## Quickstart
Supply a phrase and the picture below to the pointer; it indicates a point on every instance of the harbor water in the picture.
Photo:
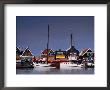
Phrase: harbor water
(64, 69)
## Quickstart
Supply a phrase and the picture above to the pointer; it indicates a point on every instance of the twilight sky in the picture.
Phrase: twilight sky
(32, 31)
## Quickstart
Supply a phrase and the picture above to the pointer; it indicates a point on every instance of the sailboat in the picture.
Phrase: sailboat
(46, 64)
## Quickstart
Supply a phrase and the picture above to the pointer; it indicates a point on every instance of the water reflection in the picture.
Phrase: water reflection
(50, 70)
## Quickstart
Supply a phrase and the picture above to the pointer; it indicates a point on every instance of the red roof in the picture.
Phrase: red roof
(47, 50)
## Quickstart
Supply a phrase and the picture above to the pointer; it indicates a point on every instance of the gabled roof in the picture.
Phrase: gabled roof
(72, 50)
(84, 51)
(27, 52)
(18, 51)
(47, 50)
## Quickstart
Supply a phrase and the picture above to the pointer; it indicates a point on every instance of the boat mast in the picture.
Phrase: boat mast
(71, 40)
(48, 45)
(72, 43)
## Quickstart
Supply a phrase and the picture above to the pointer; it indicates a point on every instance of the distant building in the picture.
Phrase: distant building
(72, 53)
(50, 53)
(73, 50)
(87, 54)
(24, 59)
(27, 54)
(18, 53)
(60, 54)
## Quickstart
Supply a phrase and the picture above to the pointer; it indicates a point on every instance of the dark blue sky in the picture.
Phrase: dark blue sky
(32, 31)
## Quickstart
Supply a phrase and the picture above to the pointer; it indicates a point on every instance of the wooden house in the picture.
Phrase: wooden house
(87, 54)
(26, 60)
(50, 53)
(18, 53)
(72, 53)
(60, 54)
(27, 54)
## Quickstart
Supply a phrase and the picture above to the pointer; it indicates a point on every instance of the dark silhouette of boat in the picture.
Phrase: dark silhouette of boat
(25, 64)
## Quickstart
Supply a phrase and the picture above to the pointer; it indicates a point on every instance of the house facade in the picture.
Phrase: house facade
(60, 54)
(87, 54)
(72, 53)
(50, 53)
(27, 55)
(18, 53)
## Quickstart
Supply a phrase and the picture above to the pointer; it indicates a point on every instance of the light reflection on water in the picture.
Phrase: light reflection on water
(50, 70)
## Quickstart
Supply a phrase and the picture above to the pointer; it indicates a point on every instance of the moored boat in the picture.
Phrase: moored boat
(24, 64)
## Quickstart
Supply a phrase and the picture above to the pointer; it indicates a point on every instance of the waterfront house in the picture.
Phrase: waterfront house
(72, 53)
(60, 54)
(25, 59)
(27, 54)
(87, 54)
(50, 53)
(18, 53)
